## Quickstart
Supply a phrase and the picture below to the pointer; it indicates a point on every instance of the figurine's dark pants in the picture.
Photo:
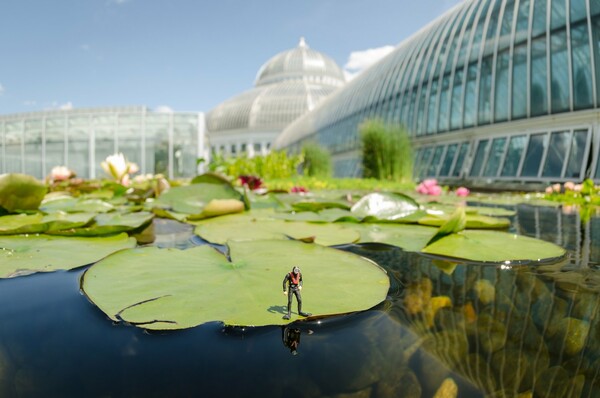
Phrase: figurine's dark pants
(296, 291)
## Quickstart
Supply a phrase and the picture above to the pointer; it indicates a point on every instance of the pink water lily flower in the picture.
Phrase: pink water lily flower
(429, 187)
(61, 173)
(462, 191)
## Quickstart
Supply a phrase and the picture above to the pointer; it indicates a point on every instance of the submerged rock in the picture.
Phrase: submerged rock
(570, 336)
(407, 385)
(485, 291)
(448, 389)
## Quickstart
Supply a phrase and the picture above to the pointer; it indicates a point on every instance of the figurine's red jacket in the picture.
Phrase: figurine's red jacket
(292, 280)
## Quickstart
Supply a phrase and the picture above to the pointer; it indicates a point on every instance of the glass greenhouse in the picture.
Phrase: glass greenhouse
(167, 143)
(287, 86)
(492, 91)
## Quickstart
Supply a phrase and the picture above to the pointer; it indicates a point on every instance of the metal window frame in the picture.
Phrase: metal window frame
(495, 61)
(480, 59)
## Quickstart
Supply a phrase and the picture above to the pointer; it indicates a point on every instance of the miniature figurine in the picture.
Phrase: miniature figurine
(292, 284)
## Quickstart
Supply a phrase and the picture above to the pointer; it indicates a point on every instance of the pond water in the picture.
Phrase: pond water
(492, 330)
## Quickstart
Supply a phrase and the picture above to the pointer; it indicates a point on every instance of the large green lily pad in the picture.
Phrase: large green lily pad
(109, 223)
(409, 237)
(175, 289)
(493, 246)
(39, 223)
(191, 199)
(20, 192)
(21, 254)
(257, 226)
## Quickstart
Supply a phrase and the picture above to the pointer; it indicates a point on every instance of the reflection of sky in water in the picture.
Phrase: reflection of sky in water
(512, 328)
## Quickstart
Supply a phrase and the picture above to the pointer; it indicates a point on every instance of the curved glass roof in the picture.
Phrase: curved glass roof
(484, 62)
(299, 63)
(287, 86)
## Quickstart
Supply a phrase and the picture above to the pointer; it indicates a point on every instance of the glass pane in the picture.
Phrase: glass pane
(577, 154)
(560, 72)
(578, 11)
(539, 87)
(33, 148)
(457, 90)
(596, 45)
(448, 160)
(519, 84)
(522, 22)
(506, 26)
(558, 19)
(557, 153)
(582, 68)
(431, 112)
(539, 17)
(501, 89)
(435, 161)
(493, 163)
(533, 157)
(471, 96)
(516, 146)
(79, 151)
(425, 161)
(485, 90)
(513, 156)
(443, 119)
(460, 159)
(479, 157)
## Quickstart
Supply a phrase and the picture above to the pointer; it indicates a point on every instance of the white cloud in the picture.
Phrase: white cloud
(118, 2)
(163, 109)
(67, 106)
(358, 61)
(1, 89)
(85, 47)
(29, 102)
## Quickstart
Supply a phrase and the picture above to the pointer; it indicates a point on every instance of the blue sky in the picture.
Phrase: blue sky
(186, 55)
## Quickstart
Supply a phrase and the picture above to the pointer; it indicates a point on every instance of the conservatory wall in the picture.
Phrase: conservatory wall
(492, 91)
(167, 143)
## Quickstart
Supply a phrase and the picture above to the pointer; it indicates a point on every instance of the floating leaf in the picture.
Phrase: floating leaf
(109, 223)
(219, 207)
(493, 246)
(20, 192)
(456, 223)
(74, 205)
(245, 227)
(26, 254)
(175, 289)
(191, 199)
(385, 206)
(406, 236)
(473, 221)
(39, 223)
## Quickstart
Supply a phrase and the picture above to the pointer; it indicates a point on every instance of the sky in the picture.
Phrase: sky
(182, 55)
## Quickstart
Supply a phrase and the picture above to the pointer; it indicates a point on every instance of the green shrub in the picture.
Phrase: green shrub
(317, 160)
(386, 151)
(274, 165)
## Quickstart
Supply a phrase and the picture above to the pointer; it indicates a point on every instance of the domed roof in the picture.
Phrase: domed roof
(270, 107)
(287, 86)
(300, 63)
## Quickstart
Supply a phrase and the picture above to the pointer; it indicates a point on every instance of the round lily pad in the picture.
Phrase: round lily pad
(242, 227)
(493, 246)
(20, 192)
(175, 289)
(409, 237)
(385, 206)
(26, 254)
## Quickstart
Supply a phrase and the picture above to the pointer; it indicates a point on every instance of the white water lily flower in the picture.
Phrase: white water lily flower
(118, 167)
(61, 173)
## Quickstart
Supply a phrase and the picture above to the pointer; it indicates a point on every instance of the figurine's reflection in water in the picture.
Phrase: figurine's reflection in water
(291, 338)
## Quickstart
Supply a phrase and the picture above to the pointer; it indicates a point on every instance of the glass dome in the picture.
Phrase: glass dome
(300, 63)
(290, 84)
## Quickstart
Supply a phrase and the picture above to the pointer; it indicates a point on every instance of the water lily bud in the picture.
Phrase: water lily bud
(569, 186)
(61, 173)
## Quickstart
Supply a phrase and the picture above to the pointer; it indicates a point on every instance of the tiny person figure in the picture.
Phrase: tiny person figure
(293, 280)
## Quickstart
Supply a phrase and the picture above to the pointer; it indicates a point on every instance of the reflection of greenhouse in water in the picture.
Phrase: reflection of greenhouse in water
(493, 91)
(507, 329)
(167, 143)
